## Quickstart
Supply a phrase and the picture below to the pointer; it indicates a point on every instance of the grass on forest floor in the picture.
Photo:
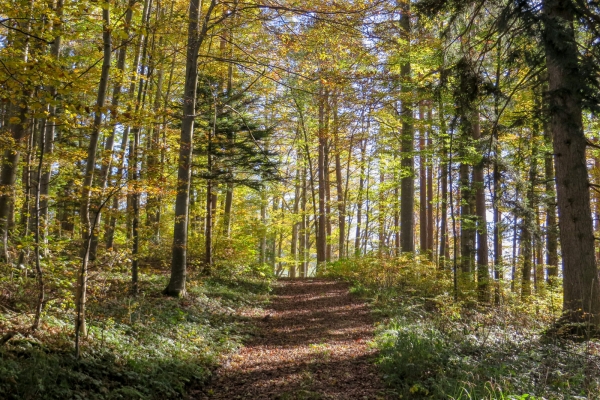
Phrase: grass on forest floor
(144, 347)
(431, 346)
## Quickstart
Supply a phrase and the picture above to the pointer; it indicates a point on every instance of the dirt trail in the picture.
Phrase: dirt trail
(313, 345)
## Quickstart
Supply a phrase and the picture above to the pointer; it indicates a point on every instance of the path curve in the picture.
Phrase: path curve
(314, 344)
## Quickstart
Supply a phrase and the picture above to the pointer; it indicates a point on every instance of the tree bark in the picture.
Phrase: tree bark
(86, 220)
(551, 226)
(339, 184)
(429, 166)
(359, 200)
(176, 286)
(17, 126)
(422, 184)
(407, 188)
(50, 130)
(295, 224)
(581, 301)
(322, 223)
(481, 213)
(527, 227)
(467, 231)
(444, 254)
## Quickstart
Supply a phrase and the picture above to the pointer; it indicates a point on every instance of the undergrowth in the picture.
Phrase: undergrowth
(144, 347)
(431, 346)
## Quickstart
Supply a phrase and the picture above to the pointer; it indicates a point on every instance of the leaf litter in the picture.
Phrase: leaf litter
(313, 343)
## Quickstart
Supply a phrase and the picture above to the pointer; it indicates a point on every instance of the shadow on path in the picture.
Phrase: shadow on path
(314, 345)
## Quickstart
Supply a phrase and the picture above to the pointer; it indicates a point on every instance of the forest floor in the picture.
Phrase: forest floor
(313, 343)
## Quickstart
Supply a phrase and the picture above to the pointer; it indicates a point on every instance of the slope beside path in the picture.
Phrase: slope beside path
(313, 344)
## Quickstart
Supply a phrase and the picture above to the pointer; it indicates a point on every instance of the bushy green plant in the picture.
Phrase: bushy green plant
(144, 347)
(431, 346)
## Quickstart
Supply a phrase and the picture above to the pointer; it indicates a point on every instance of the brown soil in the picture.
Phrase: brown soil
(312, 344)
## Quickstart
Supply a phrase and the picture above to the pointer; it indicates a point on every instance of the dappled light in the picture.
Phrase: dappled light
(313, 342)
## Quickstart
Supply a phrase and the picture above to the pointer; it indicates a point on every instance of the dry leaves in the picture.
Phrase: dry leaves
(312, 344)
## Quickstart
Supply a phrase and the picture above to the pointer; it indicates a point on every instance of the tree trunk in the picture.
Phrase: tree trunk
(50, 130)
(481, 212)
(527, 228)
(176, 286)
(407, 188)
(444, 248)
(581, 301)
(551, 226)
(154, 165)
(429, 166)
(136, 213)
(467, 233)
(86, 191)
(322, 223)
(498, 258)
(26, 209)
(17, 127)
(304, 232)
(496, 195)
(263, 236)
(295, 224)
(359, 200)
(381, 211)
(422, 184)
(339, 184)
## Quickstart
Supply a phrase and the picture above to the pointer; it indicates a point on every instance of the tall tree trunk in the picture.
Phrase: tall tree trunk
(50, 130)
(229, 185)
(120, 175)
(304, 231)
(26, 209)
(496, 195)
(136, 213)
(429, 166)
(154, 166)
(367, 232)
(422, 184)
(466, 98)
(444, 166)
(263, 235)
(295, 223)
(527, 228)
(322, 223)
(551, 226)
(540, 286)
(467, 233)
(498, 258)
(581, 301)
(481, 212)
(176, 286)
(381, 211)
(37, 237)
(328, 248)
(17, 126)
(339, 184)
(116, 99)
(359, 200)
(513, 274)
(273, 239)
(407, 188)
(85, 213)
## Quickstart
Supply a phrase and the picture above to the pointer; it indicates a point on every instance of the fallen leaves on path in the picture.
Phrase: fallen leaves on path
(312, 344)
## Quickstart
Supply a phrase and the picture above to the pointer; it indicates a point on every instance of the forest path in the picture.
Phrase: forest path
(313, 345)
